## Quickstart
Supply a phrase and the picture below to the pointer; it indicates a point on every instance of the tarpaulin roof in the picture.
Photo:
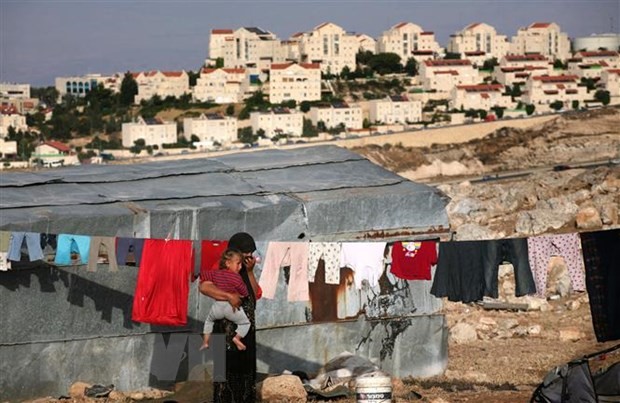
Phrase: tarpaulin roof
(322, 192)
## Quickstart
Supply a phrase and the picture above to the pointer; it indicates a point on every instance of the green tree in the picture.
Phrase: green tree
(129, 89)
(602, 96)
(363, 57)
(452, 55)
(193, 77)
(589, 83)
(499, 111)
(489, 64)
(309, 130)
(557, 64)
(245, 135)
(230, 110)
(219, 62)
(345, 73)
(48, 95)
(529, 109)
(385, 63)
(516, 91)
(575, 104)
(556, 105)
(483, 114)
(304, 106)
(411, 67)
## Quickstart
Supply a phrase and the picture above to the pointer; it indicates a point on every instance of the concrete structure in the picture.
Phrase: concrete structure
(481, 96)
(596, 42)
(395, 109)
(331, 46)
(544, 90)
(161, 83)
(366, 43)
(221, 86)
(79, 86)
(299, 82)
(9, 117)
(336, 114)
(153, 131)
(479, 40)
(545, 38)
(516, 69)
(13, 90)
(211, 127)
(54, 154)
(408, 40)
(275, 195)
(23, 106)
(245, 47)
(610, 80)
(605, 58)
(443, 75)
(7, 148)
(279, 121)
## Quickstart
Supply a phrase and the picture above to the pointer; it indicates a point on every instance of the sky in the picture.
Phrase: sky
(44, 39)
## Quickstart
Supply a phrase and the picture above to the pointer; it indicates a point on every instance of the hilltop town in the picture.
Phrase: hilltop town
(256, 90)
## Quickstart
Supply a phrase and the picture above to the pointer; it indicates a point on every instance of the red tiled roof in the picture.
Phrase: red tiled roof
(481, 87)
(8, 109)
(540, 25)
(282, 66)
(551, 92)
(209, 70)
(452, 72)
(571, 91)
(422, 52)
(427, 33)
(448, 62)
(58, 145)
(172, 73)
(400, 25)
(475, 53)
(556, 79)
(600, 53)
(310, 65)
(530, 57)
(221, 31)
(484, 95)
(297, 34)
(322, 25)
(613, 71)
(471, 26)
(522, 75)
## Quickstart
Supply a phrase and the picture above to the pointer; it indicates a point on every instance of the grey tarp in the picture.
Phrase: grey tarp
(66, 324)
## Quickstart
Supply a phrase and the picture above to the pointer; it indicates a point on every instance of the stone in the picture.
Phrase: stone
(487, 321)
(465, 206)
(609, 214)
(117, 396)
(463, 333)
(77, 389)
(137, 396)
(573, 305)
(588, 218)
(472, 231)
(507, 324)
(438, 400)
(534, 330)
(571, 334)
(521, 331)
(282, 388)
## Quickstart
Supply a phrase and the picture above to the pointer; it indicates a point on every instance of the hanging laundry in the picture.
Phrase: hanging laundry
(32, 243)
(413, 260)
(95, 245)
(281, 254)
(125, 246)
(5, 239)
(540, 250)
(366, 259)
(460, 271)
(330, 253)
(211, 251)
(162, 288)
(68, 244)
(601, 253)
(515, 252)
(49, 244)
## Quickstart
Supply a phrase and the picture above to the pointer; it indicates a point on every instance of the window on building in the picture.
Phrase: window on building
(325, 45)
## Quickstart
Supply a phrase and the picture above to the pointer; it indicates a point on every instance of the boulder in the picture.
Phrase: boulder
(463, 333)
(588, 218)
(77, 389)
(609, 214)
(282, 388)
(571, 334)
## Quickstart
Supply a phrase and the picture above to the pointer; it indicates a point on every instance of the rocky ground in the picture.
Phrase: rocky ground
(502, 355)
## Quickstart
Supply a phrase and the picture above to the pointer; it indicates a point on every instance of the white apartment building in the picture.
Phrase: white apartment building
(407, 40)
(366, 43)
(544, 38)
(278, 121)
(153, 131)
(337, 114)
(329, 45)
(544, 90)
(605, 58)
(481, 96)
(10, 118)
(79, 86)
(395, 109)
(245, 47)
(12, 90)
(610, 80)
(299, 82)
(7, 148)
(443, 75)
(516, 69)
(211, 127)
(161, 83)
(476, 39)
(222, 86)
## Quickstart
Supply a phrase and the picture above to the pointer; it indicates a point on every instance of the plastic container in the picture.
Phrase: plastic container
(376, 388)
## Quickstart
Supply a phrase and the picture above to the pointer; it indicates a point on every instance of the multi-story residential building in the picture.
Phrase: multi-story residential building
(408, 40)
(544, 38)
(605, 58)
(544, 90)
(79, 86)
(221, 86)
(9, 117)
(480, 41)
(279, 121)
(12, 90)
(153, 131)
(299, 82)
(366, 43)
(23, 106)
(211, 127)
(395, 109)
(329, 45)
(481, 96)
(336, 114)
(516, 69)
(443, 75)
(161, 83)
(7, 148)
(245, 47)
(610, 80)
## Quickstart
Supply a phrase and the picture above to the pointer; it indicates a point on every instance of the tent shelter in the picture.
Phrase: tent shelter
(63, 324)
